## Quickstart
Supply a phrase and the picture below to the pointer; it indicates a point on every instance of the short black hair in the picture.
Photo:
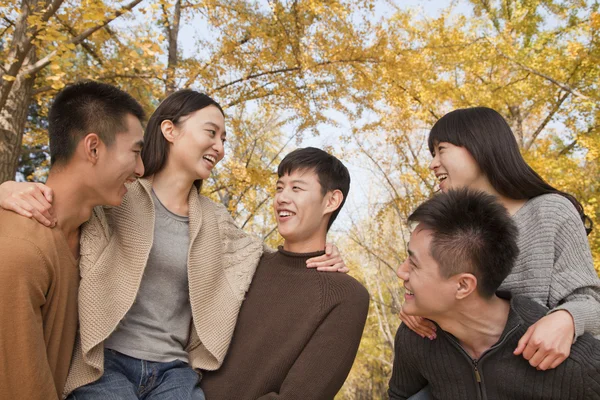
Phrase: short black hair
(332, 174)
(471, 232)
(88, 107)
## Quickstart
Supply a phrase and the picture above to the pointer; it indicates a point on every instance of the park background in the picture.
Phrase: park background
(363, 79)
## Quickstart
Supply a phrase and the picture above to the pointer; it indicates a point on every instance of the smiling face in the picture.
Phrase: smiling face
(198, 142)
(427, 293)
(455, 168)
(121, 163)
(301, 211)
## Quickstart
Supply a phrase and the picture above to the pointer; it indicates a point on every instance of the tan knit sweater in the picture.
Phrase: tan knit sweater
(115, 245)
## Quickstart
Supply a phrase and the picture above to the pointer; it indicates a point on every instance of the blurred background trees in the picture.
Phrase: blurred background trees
(364, 79)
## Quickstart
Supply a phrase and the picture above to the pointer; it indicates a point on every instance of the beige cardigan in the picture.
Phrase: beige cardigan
(115, 245)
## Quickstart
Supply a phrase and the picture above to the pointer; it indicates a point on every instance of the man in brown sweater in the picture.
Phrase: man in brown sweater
(95, 142)
(298, 329)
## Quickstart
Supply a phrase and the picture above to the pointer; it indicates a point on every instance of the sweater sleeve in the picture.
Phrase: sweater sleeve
(25, 277)
(406, 378)
(575, 286)
(323, 365)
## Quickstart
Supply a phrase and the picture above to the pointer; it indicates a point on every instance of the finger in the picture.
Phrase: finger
(530, 351)
(44, 206)
(547, 362)
(13, 206)
(323, 261)
(32, 204)
(332, 267)
(557, 361)
(41, 218)
(523, 341)
(417, 324)
(46, 191)
(537, 357)
(344, 270)
(328, 249)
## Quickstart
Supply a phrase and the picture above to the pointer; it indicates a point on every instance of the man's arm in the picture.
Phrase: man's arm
(24, 281)
(406, 378)
(322, 367)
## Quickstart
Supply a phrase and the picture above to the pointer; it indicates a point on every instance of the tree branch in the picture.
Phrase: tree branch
(32, 69)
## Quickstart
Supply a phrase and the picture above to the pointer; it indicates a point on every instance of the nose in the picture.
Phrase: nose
(435, 163)
(402, 271)
(219, 147)
(281, 197)
(139, 167)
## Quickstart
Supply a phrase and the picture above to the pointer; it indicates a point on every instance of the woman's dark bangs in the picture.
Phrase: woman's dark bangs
(446, 130)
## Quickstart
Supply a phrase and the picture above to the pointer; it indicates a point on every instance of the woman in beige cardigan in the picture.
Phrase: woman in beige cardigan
(143, 334)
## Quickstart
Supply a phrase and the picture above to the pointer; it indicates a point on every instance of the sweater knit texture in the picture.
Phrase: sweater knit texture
(452, 374)
(38, 308)
(296, 336)
(554, 266)
(115, 246)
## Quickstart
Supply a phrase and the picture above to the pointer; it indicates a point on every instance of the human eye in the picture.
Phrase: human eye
(212, 132)
(278, 188)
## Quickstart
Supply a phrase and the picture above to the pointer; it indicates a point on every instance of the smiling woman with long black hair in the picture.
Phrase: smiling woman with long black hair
(475, 148)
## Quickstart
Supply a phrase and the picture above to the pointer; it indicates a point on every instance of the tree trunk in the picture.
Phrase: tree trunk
(13, 113)
(173, 34)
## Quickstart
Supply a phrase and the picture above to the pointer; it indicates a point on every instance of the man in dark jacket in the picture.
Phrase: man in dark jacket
(463, 247)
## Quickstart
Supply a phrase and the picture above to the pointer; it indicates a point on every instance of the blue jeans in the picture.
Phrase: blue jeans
(128, 378)
(423, 394)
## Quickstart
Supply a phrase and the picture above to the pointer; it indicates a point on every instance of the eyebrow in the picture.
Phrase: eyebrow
(279, 181)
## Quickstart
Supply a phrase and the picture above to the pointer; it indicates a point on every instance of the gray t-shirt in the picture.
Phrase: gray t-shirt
(157, 326)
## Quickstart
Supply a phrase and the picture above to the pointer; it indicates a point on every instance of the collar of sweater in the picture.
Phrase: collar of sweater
(297, 259)
(523, 311)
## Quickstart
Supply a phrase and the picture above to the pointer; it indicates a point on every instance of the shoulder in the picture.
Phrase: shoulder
(408, 342)
(25, 249)
(345, 287)
(25, 232)
(528, 310)
(552, 206)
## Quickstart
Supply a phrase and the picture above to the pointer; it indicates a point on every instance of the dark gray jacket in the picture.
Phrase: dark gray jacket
(498, 374)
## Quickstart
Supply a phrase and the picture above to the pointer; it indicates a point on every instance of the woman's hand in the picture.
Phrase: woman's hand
(29, 200)
(421, 326)
(547, 343)
(331, 261)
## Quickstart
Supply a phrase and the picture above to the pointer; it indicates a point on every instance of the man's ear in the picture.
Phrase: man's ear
(334, 200)
(91, 147)
(466, 284)
(167, 127)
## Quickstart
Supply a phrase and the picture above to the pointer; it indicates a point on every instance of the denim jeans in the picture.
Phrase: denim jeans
(423, 394)
(128, 378)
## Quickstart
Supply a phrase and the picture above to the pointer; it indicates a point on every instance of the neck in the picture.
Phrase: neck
(310, 245)
(511, 205)
(477, 324)
(72, 204)
(172, 187)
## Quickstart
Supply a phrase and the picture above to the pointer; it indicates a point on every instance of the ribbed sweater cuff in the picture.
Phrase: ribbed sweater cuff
(581, 312)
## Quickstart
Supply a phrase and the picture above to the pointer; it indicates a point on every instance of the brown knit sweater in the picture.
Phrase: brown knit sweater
(296, 336)
(38, 308)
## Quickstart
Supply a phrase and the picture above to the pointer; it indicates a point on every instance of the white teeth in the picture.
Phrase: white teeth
(210, 158)
(441, 177)
(408, 292)
(286, 213)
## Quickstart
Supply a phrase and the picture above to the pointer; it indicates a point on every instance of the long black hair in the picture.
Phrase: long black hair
(173, 108)
(491, 142)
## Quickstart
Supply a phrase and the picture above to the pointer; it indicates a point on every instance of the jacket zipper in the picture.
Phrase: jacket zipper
(481, 394)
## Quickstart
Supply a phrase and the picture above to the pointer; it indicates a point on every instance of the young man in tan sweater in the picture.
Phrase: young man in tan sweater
(298, 330)
(95, 141)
